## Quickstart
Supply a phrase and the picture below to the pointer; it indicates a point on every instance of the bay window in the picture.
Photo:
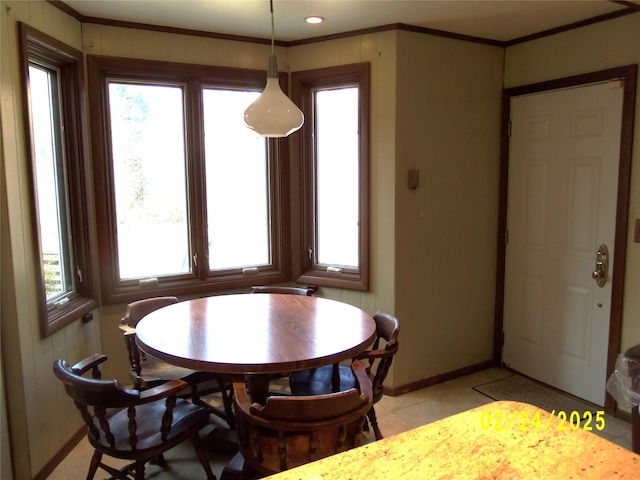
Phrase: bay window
(54, 118)
(235, 157)
(149, 179)
(334, 157)
(189, 199)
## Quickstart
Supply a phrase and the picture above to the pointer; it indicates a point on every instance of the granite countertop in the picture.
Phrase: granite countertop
(503, 440)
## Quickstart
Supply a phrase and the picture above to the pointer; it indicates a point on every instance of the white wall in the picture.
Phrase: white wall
(5, 447)
(448, 128)
(5, 452)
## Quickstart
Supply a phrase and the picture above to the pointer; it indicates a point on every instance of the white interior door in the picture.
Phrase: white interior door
(563, 174)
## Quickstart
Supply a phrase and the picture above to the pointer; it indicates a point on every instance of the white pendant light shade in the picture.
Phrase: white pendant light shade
(273, 114)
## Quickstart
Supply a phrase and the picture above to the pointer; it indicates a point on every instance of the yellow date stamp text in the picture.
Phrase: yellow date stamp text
(522, 420)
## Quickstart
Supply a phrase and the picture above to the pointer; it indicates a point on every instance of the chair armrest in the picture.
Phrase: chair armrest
(88, 363)
(360, 368)
(375, 354)
(162, 391)
(241, 396)
(126, 329)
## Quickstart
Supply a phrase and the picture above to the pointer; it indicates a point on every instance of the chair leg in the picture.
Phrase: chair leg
(335, 378)
(374, 423)
(140, 467)
(237, 469)
(204, 458)
(247, 471)
(227, 402)
(95, 463)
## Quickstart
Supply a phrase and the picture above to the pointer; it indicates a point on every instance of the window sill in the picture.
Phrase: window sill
(126, 293)
(60, 317)
(344, 280)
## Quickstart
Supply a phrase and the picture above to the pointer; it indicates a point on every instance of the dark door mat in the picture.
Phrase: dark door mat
(521, 389)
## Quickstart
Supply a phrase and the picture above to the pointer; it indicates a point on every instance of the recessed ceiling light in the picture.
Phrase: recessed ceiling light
(314, 19)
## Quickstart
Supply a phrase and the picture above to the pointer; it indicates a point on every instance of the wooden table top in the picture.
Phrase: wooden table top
(505, 440)
(255, 333)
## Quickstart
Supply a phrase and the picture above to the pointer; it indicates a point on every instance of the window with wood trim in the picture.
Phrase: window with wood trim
(334, 157)
(189, 199)
(54, 118)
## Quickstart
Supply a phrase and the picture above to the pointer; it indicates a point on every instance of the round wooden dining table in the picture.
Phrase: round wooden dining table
(256, 334)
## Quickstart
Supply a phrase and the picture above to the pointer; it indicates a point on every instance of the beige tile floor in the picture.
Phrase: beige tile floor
(395, 415)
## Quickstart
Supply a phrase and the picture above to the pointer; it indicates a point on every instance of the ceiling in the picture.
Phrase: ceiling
(501, 20)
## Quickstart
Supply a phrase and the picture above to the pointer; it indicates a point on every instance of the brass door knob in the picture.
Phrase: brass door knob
(602, 266)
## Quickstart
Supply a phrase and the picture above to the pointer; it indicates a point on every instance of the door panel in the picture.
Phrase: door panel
(563, 170)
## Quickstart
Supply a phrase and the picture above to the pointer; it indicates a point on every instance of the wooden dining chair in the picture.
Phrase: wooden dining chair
(322, 380)
(288, 431)
(148, 372)
(130, 424)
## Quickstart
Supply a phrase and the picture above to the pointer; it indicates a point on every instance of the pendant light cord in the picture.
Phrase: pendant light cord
(273, 30)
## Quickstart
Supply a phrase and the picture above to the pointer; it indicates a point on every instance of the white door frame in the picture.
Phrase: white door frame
(629, 74)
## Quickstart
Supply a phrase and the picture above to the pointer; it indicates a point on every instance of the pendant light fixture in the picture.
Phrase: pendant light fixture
(273, 114)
